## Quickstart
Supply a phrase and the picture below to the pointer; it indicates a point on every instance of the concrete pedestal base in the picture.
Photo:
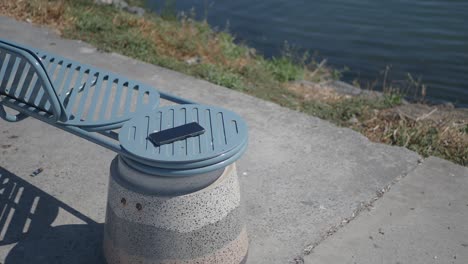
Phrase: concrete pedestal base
(206, 226)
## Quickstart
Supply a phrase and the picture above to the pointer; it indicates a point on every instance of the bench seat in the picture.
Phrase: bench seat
(69, 92)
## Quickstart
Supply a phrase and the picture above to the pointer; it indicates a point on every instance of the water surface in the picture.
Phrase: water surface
(427, 38)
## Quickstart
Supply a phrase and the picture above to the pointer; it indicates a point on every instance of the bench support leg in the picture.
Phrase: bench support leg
(11, 118)
(205, 226)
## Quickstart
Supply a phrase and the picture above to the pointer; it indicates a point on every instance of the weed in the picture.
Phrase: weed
(284, 69)
(168, 11)
(392, 99)
(464, 129)
(219, 76)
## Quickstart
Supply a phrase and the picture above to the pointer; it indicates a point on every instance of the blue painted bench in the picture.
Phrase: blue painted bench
(116, 112)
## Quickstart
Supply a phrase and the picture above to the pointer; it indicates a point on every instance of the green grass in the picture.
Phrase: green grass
(284, 69)
(342, 111)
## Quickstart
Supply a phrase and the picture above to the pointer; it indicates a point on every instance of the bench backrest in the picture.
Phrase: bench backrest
(24, 78)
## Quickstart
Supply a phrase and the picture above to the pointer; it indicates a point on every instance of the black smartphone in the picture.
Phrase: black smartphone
(176, 133)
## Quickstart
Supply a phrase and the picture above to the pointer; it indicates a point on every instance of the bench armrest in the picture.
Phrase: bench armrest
(35, 62)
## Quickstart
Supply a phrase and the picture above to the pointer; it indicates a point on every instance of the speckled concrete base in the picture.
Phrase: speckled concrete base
(201, 227)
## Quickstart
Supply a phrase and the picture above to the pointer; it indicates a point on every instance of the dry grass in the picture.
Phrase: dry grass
(187, 40)
(446, 138)
(51, 13)
(309, 91)
(429, 130)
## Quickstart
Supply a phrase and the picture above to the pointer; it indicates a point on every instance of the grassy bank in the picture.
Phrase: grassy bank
(182, 44)
(194, 48)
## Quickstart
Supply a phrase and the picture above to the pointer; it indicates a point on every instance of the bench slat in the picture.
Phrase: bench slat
(27, 82)
(96, 97)
(129, 96)
(73, 92)
(105, 100)
(18, 70)
(116, 101)
(65, 87)
(7, 73)
(58, 80)
(44, 103)
(84, 97)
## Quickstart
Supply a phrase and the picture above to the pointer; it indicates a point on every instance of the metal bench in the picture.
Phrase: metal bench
(92, 103)
(193, 178)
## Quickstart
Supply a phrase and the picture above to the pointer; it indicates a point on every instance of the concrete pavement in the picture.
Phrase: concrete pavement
(300, 178)
(422, 220)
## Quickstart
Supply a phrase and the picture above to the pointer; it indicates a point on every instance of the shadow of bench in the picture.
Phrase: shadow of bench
(27, 215)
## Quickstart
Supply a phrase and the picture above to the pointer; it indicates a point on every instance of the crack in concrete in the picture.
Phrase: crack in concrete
(360, 208)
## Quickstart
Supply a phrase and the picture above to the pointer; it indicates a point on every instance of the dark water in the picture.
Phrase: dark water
(427, 38)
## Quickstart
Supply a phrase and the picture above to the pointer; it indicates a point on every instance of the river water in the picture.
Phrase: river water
(427, 38)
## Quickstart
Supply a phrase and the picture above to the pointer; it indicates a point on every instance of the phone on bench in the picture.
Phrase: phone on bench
(176, 133)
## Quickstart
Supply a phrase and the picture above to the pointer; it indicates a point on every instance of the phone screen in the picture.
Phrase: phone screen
(176, 133)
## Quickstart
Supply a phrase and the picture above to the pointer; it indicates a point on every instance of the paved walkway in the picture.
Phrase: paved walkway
(302, 178)
(422, 220)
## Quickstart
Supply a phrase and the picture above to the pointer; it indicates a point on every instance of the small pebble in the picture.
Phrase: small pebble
(36, 172)
(381, 231)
